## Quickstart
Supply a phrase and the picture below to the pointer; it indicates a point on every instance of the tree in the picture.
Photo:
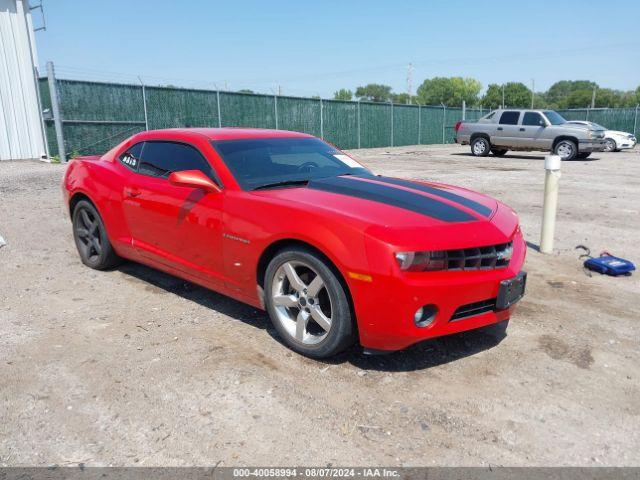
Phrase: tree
(343, 94)
(516, 95)
(374, 92)
(403, 98)
(570, 94)
(449, 91)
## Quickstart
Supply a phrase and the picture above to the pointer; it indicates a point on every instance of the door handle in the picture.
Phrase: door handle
(499, 128)
(522, 129)
(131, 192)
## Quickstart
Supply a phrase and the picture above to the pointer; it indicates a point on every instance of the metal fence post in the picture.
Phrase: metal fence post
(359, 122)
(392, 123)
(55, 108)
(144, 104)
(464, 110)
(321, 119)
(275, 109)
(419, 125)
(587, 117)
(444, 120)
(635, 122)
(218, 104)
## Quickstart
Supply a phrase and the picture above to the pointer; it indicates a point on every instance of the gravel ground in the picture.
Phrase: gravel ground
(133, 367)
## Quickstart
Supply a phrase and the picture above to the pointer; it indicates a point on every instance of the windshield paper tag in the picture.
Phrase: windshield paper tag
(348, 160)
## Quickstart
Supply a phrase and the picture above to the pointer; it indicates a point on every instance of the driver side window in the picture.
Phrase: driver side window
(160, 159)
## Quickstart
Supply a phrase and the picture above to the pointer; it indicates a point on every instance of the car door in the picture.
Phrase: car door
(177, 226)
(532, 129)
(507, 130)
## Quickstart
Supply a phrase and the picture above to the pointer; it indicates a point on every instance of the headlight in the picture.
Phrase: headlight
(422, 261)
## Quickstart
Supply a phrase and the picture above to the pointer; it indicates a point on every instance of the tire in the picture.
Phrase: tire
(583, 155)
(610, 145)
(566, 149)
(293, 294)
(498, 152)
(91, 238)
(480, 147)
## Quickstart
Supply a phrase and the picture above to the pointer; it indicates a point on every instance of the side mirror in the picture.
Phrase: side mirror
(193, 179)
(542, 123)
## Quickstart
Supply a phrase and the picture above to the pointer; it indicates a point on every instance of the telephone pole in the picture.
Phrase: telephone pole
(503, 96)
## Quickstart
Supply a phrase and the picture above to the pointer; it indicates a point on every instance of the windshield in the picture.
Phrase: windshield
(262, 162)
(554, 117)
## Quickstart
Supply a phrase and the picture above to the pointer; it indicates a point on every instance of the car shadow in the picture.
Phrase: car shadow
(424, 355)
(526, 157)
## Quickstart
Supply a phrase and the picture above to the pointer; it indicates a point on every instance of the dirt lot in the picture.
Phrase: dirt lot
(133, 367)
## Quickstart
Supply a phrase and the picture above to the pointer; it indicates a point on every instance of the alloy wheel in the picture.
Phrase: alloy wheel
(609, 146)
(479, 147)
(565, 150)
(302, 302)
(89, 235)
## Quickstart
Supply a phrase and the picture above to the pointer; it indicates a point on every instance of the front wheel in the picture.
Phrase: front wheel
(308, 304)
(480, 147)
(610, 145)
(566, 149)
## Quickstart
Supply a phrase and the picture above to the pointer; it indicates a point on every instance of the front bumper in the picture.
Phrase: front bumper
(590, 146)
(626, 143)
(386, 311)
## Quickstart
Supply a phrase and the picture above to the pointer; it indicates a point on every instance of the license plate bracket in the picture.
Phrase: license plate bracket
(511, 291)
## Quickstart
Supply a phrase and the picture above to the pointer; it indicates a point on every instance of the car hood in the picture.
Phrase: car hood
(574, 126)
(617, 132)
(391, 209)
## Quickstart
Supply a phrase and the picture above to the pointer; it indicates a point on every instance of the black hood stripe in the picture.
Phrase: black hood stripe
(395, 197)
(471, 204)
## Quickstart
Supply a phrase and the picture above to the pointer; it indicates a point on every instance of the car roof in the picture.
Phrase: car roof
(226, 133)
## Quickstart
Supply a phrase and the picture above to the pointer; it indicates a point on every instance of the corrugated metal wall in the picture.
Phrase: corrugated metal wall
(21, 130)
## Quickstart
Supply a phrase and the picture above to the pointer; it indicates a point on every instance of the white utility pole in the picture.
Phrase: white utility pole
(503, 106)
(533, 90)
(410, 81)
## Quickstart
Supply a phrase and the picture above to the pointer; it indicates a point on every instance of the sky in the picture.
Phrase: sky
(309, 48)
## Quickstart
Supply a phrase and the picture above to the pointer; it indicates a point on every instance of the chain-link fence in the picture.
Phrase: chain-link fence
(94, 116)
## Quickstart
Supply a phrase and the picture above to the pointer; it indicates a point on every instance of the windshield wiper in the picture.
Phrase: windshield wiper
(283, 183)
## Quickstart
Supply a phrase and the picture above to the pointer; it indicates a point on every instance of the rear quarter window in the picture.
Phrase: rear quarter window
(131, 157)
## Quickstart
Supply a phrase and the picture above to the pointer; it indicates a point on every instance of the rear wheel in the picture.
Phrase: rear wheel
(610, 145)
(480, 147)
(499, 152)
(308, 304)
(583, 155)
(566, 149)
(91, 238)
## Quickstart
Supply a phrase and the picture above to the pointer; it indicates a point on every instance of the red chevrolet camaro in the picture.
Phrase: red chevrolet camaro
(286, 222)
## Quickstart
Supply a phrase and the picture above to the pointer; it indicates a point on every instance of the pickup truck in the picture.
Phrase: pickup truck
(529, 130)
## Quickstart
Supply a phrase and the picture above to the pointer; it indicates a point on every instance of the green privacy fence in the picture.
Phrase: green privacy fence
(96, 116)
(623, 119)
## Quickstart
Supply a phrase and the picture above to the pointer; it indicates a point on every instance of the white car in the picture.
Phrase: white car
(614, 141)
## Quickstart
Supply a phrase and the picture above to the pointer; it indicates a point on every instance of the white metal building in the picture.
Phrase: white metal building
(21, 128)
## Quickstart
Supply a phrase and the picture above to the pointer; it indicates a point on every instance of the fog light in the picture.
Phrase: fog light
(424, 316)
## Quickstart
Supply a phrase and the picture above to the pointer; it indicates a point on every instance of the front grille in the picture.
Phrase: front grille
(493, 256)
(472, 309)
